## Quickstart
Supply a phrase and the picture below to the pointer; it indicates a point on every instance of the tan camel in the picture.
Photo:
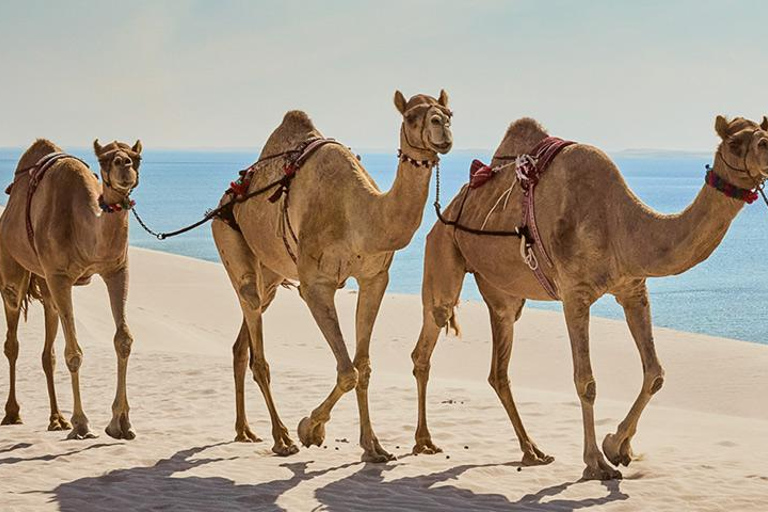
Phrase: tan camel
(77, 232)
(345, 228)
(601, 239)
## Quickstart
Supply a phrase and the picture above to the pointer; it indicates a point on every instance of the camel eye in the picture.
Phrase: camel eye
(763, 144)
(435, 120)
(118, 160)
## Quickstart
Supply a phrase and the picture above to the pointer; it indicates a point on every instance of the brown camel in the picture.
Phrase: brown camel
(345, 228)
(79, 228)
(601, 239)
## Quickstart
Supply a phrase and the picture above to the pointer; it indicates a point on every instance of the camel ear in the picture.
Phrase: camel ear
(721, 127)
(137, 147)
(764, 124)
(400, 102)
(443, 99)
(97, 148)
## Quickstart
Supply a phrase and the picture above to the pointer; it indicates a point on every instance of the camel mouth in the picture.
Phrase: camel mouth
(122, 187)
(442, 148)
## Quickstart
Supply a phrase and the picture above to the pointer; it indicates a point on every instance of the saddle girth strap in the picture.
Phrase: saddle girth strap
(529, 174)
(36, 174)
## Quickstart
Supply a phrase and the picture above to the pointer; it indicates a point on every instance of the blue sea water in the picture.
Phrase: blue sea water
(725, 296)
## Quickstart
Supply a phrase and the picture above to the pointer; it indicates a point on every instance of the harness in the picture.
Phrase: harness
(238, 190)
(528, 171)
(36, 173)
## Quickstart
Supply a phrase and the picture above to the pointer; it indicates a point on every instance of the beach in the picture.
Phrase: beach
(700, 444)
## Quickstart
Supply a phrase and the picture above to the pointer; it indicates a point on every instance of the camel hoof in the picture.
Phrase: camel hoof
(617, 451)
(537, 458)
(246, 435)
(58, 422)
(426, 447)
(285, 450)
(377, 456)
(80, 434)
(311, 435)
(602, 471)
(11, 419)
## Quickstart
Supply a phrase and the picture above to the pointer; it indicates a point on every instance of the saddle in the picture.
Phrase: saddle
(293, 160)
(36, 173)
(529, 169)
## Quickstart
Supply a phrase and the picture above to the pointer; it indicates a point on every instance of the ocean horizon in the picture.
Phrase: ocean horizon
(720, 297)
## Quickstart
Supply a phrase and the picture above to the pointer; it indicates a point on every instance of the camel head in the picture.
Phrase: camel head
(119, 164)
(426, 122)
(744, 150)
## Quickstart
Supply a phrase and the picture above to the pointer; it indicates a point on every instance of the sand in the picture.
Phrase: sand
(701, 444)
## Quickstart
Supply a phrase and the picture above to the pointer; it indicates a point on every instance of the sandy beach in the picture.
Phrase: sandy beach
(701, 444)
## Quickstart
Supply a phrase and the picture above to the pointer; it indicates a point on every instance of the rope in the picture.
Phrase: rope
(210, 214)
(457, 225)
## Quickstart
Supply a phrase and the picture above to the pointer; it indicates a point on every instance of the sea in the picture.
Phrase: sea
(726, 296)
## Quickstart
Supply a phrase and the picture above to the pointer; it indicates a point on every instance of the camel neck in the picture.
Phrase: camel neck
(663, 245)
(398, 213)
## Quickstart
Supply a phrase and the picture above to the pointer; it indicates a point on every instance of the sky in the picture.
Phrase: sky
(205, 74)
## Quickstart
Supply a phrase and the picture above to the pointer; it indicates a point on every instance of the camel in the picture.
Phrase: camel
(345, 227)
(601, 239)
(79, 228)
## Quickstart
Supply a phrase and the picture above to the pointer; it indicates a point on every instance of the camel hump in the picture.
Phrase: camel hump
(296, 128)
(36, 151)
(297, 120)
(527, 128)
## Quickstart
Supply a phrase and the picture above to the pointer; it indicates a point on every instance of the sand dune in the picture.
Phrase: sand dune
(701, 443)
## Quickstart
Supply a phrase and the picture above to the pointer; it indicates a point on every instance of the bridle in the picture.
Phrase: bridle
(105, 162)
(759, 184)
(444, 110)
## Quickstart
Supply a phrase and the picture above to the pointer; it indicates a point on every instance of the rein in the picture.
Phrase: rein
(211, 213)
(295, 159)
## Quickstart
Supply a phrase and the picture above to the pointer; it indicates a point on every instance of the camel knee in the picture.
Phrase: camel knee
(498, 382)
(11, 348)
(587, 390)
(74, 359)
(347, 380)
(654, 380)
(260, 369)
(249, 293)
(123, 342)
(364, 372)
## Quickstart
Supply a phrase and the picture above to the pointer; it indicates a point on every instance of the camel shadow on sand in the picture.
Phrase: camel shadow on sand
(156, 487)
(367, 491)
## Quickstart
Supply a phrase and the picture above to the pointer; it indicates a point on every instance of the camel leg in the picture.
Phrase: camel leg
(240, 357)
(576, 308)
(504, 311)
(12, 302)
(638, 313)
(61, 291)
(255, 286)
(443, 277)
(318, 294)
(117, 287)
(368, 304)
(57, 420)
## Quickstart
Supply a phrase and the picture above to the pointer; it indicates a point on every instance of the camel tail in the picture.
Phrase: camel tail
(33, 293)
(453, 327)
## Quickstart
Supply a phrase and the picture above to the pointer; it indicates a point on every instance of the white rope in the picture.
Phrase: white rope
(505, 196)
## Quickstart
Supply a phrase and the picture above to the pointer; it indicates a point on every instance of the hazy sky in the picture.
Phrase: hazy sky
(617, 74)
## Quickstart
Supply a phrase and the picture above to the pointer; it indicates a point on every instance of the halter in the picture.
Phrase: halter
(749, 196)
(127, 203)
(441, 108)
